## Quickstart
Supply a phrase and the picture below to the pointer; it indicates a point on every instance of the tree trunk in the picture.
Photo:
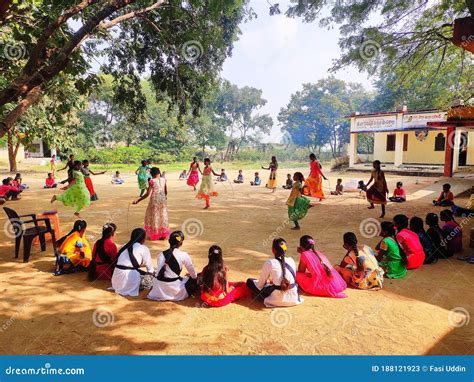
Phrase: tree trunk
(12, 151)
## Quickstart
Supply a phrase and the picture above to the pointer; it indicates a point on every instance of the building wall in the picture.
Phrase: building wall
(423, 152)
(417, 153)
(380, 146)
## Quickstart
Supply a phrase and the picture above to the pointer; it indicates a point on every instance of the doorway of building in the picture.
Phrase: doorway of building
(463, 149)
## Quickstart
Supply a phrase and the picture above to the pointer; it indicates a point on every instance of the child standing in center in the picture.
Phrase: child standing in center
(206, 190)
(156, 216)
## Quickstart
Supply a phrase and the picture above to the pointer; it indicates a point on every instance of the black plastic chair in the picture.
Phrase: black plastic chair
(29, 234)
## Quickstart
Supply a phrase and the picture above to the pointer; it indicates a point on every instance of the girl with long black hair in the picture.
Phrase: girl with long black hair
(216, 289)
(168, 284)
(359, 267)
(74, 252)
(316, 275)
(104, 255)
(390, 256)
(276, 285)
(128, 277)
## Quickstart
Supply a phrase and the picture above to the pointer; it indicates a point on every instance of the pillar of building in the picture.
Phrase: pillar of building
(449, 150)
(352, 149)
(398, 149)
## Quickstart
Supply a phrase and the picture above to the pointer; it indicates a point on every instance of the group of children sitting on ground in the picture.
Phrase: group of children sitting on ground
(405, 245)
(11, 188)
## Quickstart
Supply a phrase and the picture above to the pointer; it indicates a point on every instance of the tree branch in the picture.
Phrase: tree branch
(130, 15)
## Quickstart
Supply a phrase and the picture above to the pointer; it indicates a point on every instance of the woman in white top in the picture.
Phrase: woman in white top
(168, 284)
(128, 279)
(282, 290)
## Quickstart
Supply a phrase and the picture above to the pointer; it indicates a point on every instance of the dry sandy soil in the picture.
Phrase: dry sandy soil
(44, 314)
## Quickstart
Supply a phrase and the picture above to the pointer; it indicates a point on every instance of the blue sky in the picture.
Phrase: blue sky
(278, 54)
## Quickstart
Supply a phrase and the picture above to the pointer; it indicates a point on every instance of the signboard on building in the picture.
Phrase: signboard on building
(375, 123)
(421, 119)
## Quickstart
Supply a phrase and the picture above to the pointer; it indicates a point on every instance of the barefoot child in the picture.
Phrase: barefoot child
(339, 188)
(277, 285)
(142, 177)
(256, 180)
(76, 193)
(50, 182)
(446, 197)
(399, 194)
(183, 175)
(87, 179)
(206, 191)
(117, 179)
(376, 194)
(298, 205)
(216, 290)
(289, 182)
(156, 216)
(240, 178)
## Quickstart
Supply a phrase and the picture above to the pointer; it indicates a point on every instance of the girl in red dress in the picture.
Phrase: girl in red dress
(216, 290)
(193, 173)
(104, 255)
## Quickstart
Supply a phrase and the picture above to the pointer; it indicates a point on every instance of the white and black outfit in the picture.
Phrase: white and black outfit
(168, 284)
(271, 293)
(128, 277)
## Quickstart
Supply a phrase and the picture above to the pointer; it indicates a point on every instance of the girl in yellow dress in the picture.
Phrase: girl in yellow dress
(206, 190)
(74, 253)
(272, 180)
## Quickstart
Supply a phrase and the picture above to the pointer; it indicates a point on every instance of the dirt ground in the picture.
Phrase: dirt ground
(428, 312)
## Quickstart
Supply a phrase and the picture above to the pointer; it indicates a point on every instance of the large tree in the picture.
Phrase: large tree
(182, 44)
(236, 109)
(407, 35)
(316, 115)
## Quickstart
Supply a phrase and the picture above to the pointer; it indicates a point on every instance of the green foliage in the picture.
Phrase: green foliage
(410, 37)
(316, 115)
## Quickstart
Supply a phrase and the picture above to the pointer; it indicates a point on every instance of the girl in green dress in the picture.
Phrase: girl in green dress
(76, 193)
(142, 176)
(391, 258)
(298, 205)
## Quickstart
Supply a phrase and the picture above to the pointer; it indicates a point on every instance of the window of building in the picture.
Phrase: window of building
(405, 142)
(440, 142)
(391, 142)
